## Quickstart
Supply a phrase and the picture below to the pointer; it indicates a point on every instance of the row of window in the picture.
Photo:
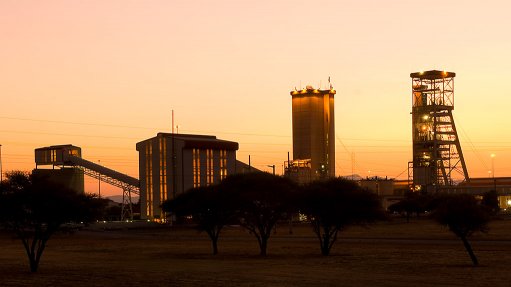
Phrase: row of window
(196, 153)
(196, 170)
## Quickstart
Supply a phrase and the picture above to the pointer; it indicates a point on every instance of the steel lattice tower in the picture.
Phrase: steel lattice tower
(437, 155)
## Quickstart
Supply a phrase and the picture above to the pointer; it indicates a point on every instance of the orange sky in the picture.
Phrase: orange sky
(104, 75)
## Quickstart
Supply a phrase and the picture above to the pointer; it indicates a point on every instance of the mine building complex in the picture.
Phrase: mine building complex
(171, 163)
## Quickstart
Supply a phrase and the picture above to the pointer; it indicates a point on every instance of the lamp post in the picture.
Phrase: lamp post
(493, 164)
(99, 181)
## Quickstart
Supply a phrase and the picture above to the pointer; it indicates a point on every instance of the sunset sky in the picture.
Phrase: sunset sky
(104, 75)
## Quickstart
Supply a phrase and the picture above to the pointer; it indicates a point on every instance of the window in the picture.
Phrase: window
(53, 155)
(163, 169)
(209, 166)
(196, 167)
(149, 178)
(223, 164)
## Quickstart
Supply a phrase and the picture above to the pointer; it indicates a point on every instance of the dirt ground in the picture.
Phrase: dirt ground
(419, 253)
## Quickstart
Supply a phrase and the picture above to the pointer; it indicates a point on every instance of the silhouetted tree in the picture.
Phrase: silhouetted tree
(262, 200)
(412, 203)
(491, 201)
(209, 208)
(336, 203)
(34, 209)
(463, 214)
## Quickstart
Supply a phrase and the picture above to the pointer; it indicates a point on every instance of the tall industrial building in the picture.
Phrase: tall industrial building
(313, 135)
(437, 156)
(170, 164)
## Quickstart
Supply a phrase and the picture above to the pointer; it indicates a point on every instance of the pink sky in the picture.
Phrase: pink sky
(104, 75)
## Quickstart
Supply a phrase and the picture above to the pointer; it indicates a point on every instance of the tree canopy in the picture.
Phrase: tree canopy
(412, 203)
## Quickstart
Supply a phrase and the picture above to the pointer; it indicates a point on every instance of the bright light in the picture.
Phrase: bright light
(493, 155)
(509, 202)
(425, 117)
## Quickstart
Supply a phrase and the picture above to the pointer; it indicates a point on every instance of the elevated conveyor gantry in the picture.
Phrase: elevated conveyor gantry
(69, 155)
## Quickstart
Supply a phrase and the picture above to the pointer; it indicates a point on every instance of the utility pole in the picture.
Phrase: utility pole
(99, 181)
(273, 167)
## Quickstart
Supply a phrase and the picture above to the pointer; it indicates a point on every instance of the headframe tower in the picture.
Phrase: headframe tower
(437, 155)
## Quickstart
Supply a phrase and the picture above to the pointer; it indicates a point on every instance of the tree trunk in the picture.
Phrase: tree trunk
(214, 244)
(35, 255)
(469, 250)
(262, 245)
(213, 236)
(33, 265)
(325, 246)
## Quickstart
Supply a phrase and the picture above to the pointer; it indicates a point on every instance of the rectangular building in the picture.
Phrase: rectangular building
(52, 163)
(170, 164)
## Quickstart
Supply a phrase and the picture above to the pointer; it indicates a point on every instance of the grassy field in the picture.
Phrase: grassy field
(419, 253)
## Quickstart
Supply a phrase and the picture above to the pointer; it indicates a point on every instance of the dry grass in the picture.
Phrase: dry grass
(420, 253)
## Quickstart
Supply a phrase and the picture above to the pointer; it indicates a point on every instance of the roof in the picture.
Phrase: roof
(198, 141)
(485, 181)
(242, 167)
(433, 74)
(312, 91)
(58, 147)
